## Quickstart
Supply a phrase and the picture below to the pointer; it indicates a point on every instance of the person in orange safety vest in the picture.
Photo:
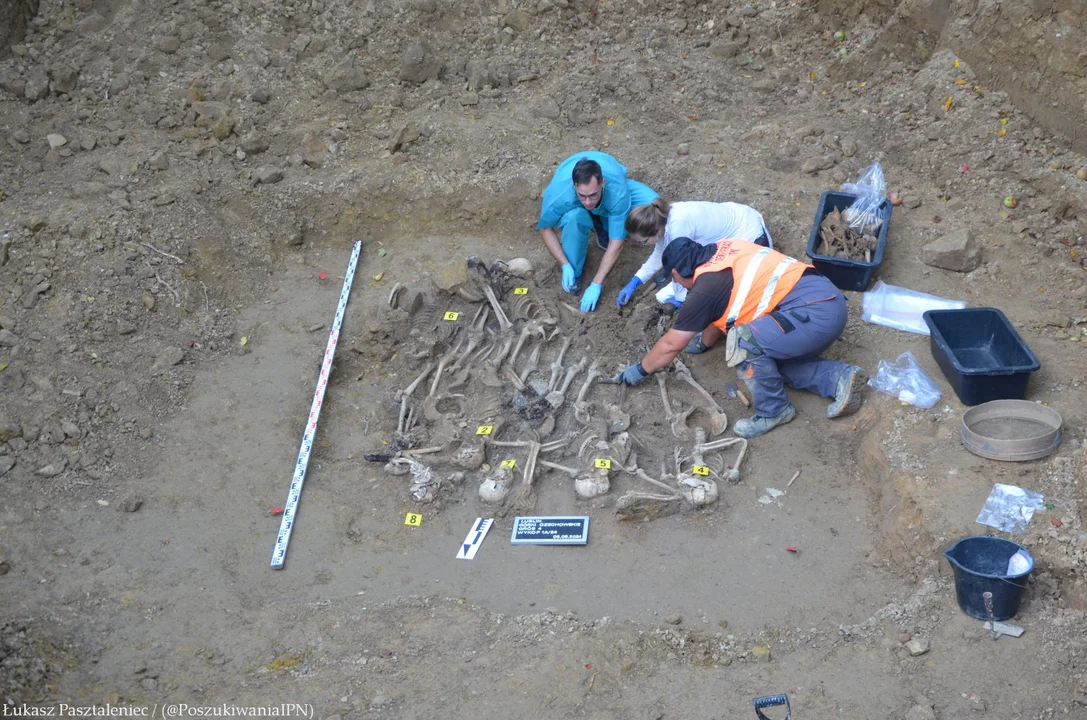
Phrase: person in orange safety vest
(776, 315)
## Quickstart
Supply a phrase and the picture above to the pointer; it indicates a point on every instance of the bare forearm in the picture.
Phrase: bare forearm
(666, 349)
(611, 256)
(551, 241)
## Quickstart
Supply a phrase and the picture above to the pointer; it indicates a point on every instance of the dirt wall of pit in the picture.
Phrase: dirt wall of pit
(14, 16)
(1031, 49)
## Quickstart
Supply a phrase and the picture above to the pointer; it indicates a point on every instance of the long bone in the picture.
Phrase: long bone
(733, 474)
(464, 374)
(672, 492)
(480, 318)
(521, 497)
(510, 375)
(581, 407)
(642, 505)
(401, 425)
(474, 339)
(443, 361)
(531, 328)
(490, 366)
(556, 366)
(500, 315)
(502, 352)
(718, 418)
(556, 397)
(678, 420)
(532, 364)
(571, 471)
(689, 489)
(698, 491)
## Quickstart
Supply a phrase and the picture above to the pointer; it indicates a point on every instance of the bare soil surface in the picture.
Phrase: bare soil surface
(180, 185)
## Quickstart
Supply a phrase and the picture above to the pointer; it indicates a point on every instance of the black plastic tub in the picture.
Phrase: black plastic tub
(846, 274)
(980, 354)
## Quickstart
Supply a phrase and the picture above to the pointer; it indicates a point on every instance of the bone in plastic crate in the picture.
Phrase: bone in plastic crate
(846, 274)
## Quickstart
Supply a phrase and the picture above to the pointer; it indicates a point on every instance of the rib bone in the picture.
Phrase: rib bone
(394, 295)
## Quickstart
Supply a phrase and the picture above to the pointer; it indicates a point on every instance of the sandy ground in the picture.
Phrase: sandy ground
(163, 290)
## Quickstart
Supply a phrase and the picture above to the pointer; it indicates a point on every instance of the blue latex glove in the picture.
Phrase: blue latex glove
(696, 346)
(568, 279)
(632, 374)
(677, 303)
(591, 296)
(627, 292)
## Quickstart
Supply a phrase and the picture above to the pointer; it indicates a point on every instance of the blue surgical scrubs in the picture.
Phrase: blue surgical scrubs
(561, 208)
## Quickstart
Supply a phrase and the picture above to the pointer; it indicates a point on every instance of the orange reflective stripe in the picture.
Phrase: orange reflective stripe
(761, 279)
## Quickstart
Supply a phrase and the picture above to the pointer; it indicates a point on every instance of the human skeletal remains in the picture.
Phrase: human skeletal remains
(497, 406)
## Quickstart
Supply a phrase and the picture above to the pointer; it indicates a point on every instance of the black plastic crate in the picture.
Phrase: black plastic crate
(980, 354)
(846, 274)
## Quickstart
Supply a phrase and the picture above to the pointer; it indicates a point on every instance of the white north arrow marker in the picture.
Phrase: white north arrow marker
(470, 546)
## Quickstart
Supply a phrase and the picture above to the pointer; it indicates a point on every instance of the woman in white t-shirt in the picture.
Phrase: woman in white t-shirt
(704, 222)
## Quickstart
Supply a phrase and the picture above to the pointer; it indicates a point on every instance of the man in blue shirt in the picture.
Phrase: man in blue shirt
(588, 189)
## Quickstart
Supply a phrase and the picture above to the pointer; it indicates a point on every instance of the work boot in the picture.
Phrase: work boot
(847, 396)
(735, 352)
(758, 425)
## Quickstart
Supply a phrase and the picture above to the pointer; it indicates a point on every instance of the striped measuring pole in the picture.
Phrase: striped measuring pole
(279, 553)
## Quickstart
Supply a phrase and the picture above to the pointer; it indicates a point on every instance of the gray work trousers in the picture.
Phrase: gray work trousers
(806, 322)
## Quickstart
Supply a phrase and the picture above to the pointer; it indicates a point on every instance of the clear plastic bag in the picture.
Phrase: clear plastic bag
(1009, 508)
(902, 308)
(864, 215)
(905, 379)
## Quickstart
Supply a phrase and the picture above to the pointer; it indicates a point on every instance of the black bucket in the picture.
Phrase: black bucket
(981, 565)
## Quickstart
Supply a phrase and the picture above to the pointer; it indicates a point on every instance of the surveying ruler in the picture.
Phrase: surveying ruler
(279, 553)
